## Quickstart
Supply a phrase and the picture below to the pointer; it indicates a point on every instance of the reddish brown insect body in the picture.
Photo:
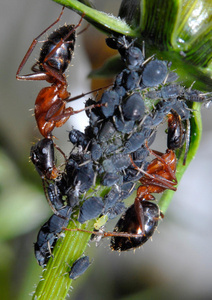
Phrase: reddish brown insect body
(55, 56)
(159, 176)
(49, 104)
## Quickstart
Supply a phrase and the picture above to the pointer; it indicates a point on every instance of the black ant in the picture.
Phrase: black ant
(177, 134)
(140, 220)
(42, 156)
(55, 56)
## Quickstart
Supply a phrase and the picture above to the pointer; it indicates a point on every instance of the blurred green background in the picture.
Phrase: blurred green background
(176, 264)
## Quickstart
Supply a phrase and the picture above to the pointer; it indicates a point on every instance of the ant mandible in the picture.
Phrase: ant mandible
(55, 56)
(140, 220)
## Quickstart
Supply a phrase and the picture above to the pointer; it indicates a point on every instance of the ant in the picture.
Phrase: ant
(177, 134)
(140, 220)
(43, 157)
(55, 56)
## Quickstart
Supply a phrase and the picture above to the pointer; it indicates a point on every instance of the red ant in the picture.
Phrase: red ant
(140, 220)
(55, 56)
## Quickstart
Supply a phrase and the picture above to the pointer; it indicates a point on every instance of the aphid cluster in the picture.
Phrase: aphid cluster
(113, 151)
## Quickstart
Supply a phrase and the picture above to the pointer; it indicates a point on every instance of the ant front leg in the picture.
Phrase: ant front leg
(39, 76)
(142, 195)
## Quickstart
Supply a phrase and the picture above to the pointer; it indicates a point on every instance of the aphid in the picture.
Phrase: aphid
(171, 91)
(112, 100)
(79, 267)
(111, 198)
(123, 125)
(107, 131)
(154, 73)
(85, 175)
(96, 151)
(78, 138)
(55, 196)
(134, 142)
(116, 162)
(91, 208)
(55, 56)
(132, 56)
(130, 80)
(194, 95)
(139, 222)
(48, 235)
(133, 108)
(109, 179)
(116, 210)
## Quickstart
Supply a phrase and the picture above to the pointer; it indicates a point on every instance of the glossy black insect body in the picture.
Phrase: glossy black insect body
(42, 156)
(176, 133)
(59, 59)
(129, 223)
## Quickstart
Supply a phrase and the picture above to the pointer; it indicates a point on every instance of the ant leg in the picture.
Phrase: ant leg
(61, 151)
(155, 180)
(103, 234)
(142, 195)
(140, 212)
(31, 48)
(83, 30)
(85, 94)
(187, 138)
(163, 161)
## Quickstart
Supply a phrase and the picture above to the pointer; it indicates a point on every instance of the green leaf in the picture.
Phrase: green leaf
(105, 22)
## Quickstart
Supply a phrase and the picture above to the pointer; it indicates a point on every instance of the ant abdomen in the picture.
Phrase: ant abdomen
(129, 223)
(59, 59)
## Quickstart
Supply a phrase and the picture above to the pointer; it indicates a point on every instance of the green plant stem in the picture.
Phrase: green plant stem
(55, 282)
